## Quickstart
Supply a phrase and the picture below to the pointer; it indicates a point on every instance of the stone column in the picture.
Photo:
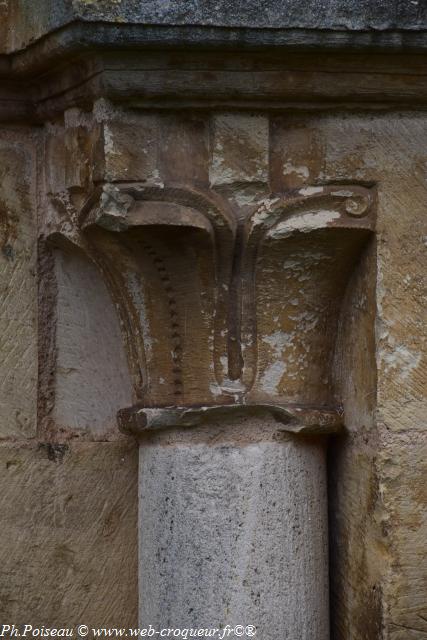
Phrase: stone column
(233, 519)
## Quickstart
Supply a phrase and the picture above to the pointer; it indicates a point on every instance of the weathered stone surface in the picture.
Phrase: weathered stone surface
(173, 250)
(365, 346)
(29, 21)
(328, 14)
(72, 145)
(91, 381)
(404, 466)
(378, 575)
(239, 149)
(234, 533)
(199, 279)
(148, 163)
(69, 533)
(18, 286)
(130, 144)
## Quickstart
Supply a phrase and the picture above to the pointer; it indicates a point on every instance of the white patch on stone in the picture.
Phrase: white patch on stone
(272, 376)
(301, 171)
(244, 199)
(264, 210)
(401, 360)
(138, 299)
(304, 223)
(310, 191)
(103, 110)
(109, 141)
(277, 341)
(155, 176)
(215, 390)
(343, 193)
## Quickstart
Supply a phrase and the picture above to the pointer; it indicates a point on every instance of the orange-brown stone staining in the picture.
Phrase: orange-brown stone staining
(70, 150)
(162, 276)
(184, 149)
(295, 153)
(404, 462)
(18, 295)
(359, 556)
(298, 299)
(82, 498)
(239, 152)
(75, 162)
(381, 551)
(153, 148)
(178, 334)
(297, 244)
(77, 146)
(130, 145)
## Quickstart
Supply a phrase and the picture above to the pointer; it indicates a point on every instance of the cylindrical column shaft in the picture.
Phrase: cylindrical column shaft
(233, 530)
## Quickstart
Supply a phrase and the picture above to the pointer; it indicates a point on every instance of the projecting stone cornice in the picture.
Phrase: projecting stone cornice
(58, 54)
(334, 23)
(202, 78)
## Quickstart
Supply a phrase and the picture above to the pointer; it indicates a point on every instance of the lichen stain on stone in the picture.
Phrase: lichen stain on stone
(8, 252)
(54, 452)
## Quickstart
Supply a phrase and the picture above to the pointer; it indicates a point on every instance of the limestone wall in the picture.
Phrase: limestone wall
(94, 318)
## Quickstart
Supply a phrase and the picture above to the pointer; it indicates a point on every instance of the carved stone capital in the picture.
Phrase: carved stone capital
(221, 307)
